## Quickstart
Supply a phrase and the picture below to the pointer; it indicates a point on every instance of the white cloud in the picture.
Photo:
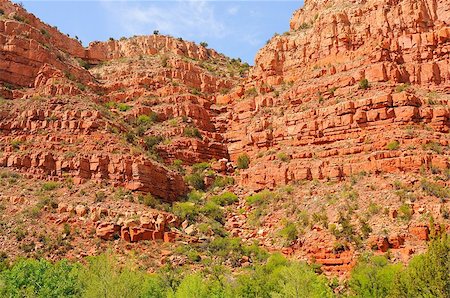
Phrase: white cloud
(187, 19)
(233, 10)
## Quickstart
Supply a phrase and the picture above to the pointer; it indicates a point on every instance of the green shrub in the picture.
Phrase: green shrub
(402, 87)
(252, 92)
(195, 196)
(225, 199)
(213, 211)
(111, 105)
(364, 84)
(427, 275)
(152, 141)
(434, 189)
(40, 278)
(196, 180)
(192, 132)
(51, 185)
(123, 107)
(200, 167)
(100, 196)
(261, 198)
(143, 120)
(147, 119)
(20, 18)
(130, 137)
(283, 157)
(222, 181)
(289, 232)
(433, 146)
(243, 161)
(204, 44)
(373, 277)
(186, 210)
(16, 144)
(178, 165)
(406, 212)
(46, 201)
(374, 208)
(84, 64)
(150, 201)
(394, 145)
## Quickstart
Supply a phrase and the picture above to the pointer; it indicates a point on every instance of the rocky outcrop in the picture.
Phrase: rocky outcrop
(326, 98)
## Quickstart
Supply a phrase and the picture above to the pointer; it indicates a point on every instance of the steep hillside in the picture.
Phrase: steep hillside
(356, 107)
(334, 144)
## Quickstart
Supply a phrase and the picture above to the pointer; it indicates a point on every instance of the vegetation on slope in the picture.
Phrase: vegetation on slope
(426, 276)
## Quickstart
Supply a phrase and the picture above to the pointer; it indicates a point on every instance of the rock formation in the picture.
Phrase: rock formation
(335, 100)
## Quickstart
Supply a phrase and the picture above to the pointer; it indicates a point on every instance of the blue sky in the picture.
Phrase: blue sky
(235, 28)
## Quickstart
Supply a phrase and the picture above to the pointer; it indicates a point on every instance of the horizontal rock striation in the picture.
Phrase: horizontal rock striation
(326, 98)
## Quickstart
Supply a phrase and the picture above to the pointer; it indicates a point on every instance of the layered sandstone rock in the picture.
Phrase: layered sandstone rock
(332, 93)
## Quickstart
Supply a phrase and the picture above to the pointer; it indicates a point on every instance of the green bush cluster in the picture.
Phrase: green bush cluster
(192, 132)
(261, 198)
(49, 186)
(225, 199)
(427, 275)
(364, 84)
(394, 145)
(243, 161)
(435, 189)
(102, 276)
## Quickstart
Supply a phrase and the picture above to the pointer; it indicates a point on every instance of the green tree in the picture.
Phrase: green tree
(373, 277)
(103, 277)
(299, 280)
(427, 275)
(192, 286)
(40, 278)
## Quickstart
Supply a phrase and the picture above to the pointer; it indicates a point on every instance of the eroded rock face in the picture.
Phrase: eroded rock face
(332, 93)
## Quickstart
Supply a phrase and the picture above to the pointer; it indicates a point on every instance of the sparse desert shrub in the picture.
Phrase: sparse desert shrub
(152, 141)
(394, 145)
(143, 120)
(243, 161)
(123, 107)
(434, 189)
(47, 201)
(100, 196)
(130, 137)
(406, 212)
(186, 210)
(364, 84)
(196, 181)
(192, 132)
(200, 167)
(261, 197)
(225, 199)
(433, 146)
(49, 186)
(222, 181)
(374, 208)
(150, 201)
(283, 157)
(204, 44)
(178, 165)
(252, 92)
(402, 87)
(213, 211)
(289, 231)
